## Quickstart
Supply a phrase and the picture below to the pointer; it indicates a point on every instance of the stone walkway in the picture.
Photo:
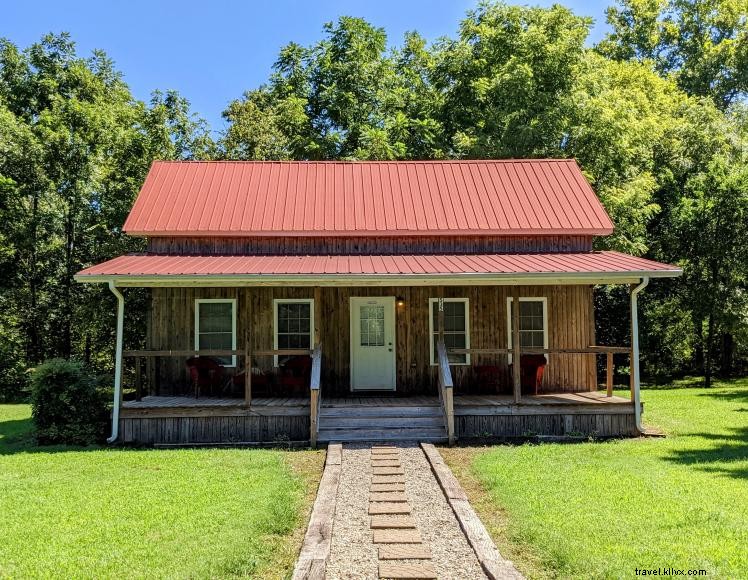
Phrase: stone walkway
(391, 519)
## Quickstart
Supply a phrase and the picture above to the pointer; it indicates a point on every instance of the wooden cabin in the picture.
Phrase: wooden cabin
(340, 301)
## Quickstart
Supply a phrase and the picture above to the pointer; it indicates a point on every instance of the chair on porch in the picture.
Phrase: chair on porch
(532, 367)
(205, 373)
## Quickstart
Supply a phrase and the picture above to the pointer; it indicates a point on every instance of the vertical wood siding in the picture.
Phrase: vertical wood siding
(570, 312)
(366, 245)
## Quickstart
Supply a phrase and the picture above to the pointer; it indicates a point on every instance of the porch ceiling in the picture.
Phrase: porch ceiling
(344, 270)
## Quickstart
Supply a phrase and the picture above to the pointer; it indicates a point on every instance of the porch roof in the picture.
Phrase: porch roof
(423, 269)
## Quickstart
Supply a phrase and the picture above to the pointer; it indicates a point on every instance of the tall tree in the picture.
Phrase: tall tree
(703, 43)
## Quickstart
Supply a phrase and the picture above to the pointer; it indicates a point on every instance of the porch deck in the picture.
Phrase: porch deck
(593, 402)
(180, 419)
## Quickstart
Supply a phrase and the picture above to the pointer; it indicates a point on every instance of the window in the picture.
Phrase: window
(372, 325)
(456, 328)
(215, 327)
(294, 324)
(533, 322)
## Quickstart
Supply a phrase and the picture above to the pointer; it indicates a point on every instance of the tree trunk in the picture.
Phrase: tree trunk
(33, 348)
(708, 357)
(66, 342)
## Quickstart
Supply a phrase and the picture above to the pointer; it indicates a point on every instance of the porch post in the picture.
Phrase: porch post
(635, 382)
(517, 368)
(248, 349)
(117, 362)
(317, 316)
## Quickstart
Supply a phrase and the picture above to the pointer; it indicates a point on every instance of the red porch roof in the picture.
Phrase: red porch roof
(605, 264)
(257, 198)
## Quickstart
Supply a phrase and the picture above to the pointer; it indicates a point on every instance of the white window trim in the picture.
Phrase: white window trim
(435, 301)
(542, 299)
(276, 302)
(232, 301)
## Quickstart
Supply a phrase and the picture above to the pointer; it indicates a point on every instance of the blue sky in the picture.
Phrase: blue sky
(211, 52)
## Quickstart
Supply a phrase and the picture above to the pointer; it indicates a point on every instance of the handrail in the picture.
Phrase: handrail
(226, 352)
(446, 390)
(315, 394)
(609, 351)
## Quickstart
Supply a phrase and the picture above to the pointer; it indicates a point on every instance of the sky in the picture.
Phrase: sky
(211, 52)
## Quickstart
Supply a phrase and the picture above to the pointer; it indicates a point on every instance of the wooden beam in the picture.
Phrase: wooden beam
(317, 315)
(138, 380)
(516, 366)
(248, 352)
(609, 373)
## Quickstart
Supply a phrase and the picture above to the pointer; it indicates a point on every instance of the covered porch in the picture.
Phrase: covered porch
(415, 347)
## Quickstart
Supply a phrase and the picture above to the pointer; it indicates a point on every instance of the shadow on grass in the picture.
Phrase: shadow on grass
(727, 448)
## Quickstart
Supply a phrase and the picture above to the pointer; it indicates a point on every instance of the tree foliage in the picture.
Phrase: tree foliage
(655, 115)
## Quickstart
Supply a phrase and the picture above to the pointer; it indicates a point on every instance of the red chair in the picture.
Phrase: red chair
(295, 375)
(205, 372)
(532, 367)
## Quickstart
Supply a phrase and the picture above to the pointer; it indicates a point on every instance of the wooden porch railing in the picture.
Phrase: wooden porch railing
(138, 355)
(446, 390)
(316, 397)
(609, 351)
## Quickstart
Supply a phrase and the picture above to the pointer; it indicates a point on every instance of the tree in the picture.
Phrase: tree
(74, 149)
(703, 43)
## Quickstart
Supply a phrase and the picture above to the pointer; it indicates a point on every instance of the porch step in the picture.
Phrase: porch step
(429, 434)
(350, 422)
(402, 411)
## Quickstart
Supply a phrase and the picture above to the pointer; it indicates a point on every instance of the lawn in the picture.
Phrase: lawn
(72, 512)
(602, 509)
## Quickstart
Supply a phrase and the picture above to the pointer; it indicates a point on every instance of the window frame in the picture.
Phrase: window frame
(544, 301)
(232, 301)
(276, 302)
(432, 330)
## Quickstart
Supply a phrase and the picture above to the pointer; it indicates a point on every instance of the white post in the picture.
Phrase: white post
(635, 352)
(117, 362)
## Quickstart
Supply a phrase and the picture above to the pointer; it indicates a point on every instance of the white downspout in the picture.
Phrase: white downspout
(635, 352)
(117, 362)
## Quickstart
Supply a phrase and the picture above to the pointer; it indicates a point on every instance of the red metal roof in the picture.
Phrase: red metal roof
(239, 198)
(412, 265)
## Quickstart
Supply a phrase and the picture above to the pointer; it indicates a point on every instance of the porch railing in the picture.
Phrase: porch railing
(139, 355)
(608, 351)
(315, 394)
(446, 390)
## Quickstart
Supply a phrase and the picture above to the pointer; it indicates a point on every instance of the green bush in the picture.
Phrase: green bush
(67, 406)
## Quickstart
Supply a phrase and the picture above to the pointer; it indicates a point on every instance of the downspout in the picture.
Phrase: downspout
(635, 351)
(117, 362)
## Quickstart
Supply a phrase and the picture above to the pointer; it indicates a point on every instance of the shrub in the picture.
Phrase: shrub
(67, 406)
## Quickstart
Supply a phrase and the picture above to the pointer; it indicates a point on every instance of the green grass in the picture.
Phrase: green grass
(602, 509)
(70, 513)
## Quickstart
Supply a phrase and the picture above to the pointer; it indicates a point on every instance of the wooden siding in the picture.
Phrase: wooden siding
(549, 424)
(367, 245)
(171, 326)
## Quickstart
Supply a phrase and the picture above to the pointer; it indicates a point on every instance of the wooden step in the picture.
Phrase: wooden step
(359, 411)
(391, 522)
(345, 421)
(377, 508)
(404, 552)
(404, 570)
(397, 496)
(380, 487)
(397, 537)
(417, 434)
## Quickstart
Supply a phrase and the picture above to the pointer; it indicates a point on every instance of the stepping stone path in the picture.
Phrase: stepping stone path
(399, 540)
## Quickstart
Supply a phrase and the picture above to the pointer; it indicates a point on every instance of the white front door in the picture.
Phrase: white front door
(373, 344)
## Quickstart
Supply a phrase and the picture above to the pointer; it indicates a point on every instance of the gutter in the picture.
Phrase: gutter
(447, 279)
(635, 351)
(117, 362)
